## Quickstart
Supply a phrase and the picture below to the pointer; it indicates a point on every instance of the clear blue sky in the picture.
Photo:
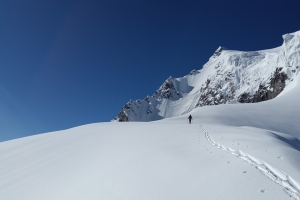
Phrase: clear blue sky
(69, 63)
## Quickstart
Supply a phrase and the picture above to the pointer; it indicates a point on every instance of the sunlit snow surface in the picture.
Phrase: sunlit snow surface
(167, 159)
(232, 151)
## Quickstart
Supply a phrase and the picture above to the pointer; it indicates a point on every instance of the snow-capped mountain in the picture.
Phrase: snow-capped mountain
(231, 151)
(229, 76)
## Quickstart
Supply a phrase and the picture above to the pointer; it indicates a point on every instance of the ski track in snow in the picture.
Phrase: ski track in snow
(289, 185)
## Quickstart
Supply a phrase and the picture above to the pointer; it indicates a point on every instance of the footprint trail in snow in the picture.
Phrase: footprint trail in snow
(289, 185)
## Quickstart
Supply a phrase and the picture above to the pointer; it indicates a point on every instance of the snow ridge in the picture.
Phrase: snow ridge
(289, 185)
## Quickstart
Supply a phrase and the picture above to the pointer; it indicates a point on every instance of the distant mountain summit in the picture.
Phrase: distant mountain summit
(229, 76)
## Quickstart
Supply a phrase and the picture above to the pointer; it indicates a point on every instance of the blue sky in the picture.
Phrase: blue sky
(70, 63)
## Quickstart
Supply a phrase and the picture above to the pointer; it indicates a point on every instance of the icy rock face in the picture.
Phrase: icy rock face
(228, 77)
(217, 92)
(168, 90)
(153, 107)
(274, 88)
(218, 52)
(122, 117)
(249, 77)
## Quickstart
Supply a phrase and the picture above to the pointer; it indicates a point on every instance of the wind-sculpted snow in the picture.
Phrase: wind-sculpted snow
(245, 59)
(290, 51)
(228, 77)
(289, 185)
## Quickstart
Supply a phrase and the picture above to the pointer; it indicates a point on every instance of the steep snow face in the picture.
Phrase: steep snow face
(289, 55)
(175, 97)
(228, 77)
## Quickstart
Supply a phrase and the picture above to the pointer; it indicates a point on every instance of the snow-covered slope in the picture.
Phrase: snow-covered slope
(219, 156)
(230, 151)
(280, 114)
(228, 77)
(137, 161)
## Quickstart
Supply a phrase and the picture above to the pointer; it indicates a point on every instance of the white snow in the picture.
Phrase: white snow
(219, 156)
(149, 161)
(230, 151)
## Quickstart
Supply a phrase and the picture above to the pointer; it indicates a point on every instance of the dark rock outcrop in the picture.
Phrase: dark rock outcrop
(122, 117)
(269, 91)
(214, 94)
(218, 52)
(168, 90)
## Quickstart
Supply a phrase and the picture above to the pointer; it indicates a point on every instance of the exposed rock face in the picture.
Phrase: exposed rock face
(168, 90)
(122, 117)
(277, 83)
(218, 93)
(266, 92)
(194, 72)
(218, 52)
(214, 95)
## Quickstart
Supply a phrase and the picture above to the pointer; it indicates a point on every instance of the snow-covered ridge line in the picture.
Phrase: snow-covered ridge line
(289, 185)
(229, 76)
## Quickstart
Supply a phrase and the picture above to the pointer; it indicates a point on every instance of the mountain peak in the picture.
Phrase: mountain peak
(218, 52)
(228, 77)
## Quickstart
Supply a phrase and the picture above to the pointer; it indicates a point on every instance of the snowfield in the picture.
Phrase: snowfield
(232, 151)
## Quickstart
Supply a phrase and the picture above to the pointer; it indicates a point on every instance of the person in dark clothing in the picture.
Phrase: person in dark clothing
(190, 118)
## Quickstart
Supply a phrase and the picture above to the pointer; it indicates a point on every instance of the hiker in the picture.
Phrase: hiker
(190, 118)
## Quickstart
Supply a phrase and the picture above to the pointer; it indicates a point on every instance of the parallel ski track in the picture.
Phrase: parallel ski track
(289, 185)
